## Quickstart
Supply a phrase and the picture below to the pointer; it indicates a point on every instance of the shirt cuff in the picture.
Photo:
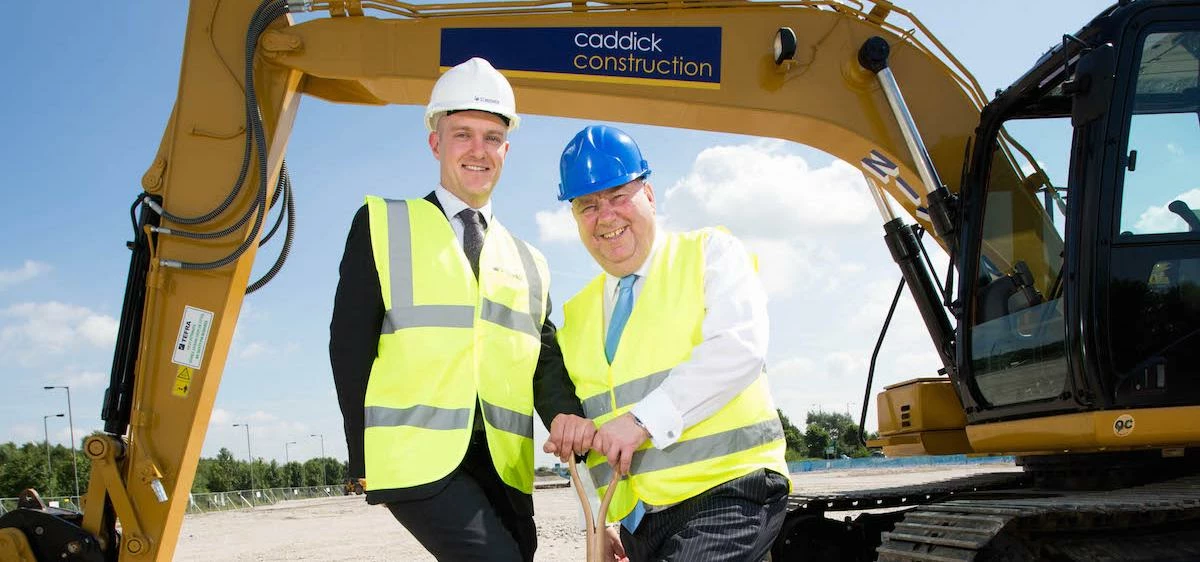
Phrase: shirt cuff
(661, 418)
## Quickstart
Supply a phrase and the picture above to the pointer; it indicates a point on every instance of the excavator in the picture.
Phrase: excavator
(1067, 324)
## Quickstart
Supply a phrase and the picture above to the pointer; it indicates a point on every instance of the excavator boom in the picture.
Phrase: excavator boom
(700, 65)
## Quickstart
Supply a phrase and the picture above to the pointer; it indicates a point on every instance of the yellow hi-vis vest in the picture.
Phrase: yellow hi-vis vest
(447, 338)
(663, 328)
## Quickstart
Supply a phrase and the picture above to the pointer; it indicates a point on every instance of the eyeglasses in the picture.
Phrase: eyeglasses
(616, 197)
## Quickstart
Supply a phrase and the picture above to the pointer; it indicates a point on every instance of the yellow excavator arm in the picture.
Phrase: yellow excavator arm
(709, 65)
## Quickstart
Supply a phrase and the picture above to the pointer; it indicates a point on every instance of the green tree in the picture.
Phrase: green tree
(322, 467)
(791, 433)
(829, 424)
(200, 483)
(796, 450)
(224, 472)
(255, 479)
(273, 476)
(22, 467)
(335, 470)
(816, 439)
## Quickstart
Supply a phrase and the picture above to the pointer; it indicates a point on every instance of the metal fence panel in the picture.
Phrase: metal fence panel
(242, 499)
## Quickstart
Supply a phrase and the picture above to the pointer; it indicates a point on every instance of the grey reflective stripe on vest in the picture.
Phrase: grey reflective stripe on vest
(534, 279)
(525, 323)
(435, 315)
(497, 313)
(698, 449)
(426, 417)
(403, 314)
(624, 394)
(508, 420)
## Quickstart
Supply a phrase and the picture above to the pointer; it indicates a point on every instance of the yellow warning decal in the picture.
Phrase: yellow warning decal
(183, 381)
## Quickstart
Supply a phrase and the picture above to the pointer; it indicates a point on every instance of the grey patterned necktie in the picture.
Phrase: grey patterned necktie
(472, 236)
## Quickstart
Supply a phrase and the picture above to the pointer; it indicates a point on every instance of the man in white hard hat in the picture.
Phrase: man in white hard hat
(441, 342)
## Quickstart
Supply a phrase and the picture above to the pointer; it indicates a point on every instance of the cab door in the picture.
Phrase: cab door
(1147, 302)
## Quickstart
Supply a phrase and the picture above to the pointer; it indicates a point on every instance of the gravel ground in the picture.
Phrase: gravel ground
(346, 528)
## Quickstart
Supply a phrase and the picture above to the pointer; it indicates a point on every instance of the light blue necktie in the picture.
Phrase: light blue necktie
(616, 324)
(620, 315)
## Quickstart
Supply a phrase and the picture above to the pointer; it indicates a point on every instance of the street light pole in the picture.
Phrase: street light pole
(322, 436)
(249, 455)
(71, 423)
(286, 458)
(46, 429)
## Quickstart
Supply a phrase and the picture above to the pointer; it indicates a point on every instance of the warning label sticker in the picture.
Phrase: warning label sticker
(183, 381)
(193, 337)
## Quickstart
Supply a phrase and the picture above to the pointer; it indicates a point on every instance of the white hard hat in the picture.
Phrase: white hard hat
(474, 84)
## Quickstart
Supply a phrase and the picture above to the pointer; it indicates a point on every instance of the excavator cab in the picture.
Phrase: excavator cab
(1077, 337)
(1082, 293)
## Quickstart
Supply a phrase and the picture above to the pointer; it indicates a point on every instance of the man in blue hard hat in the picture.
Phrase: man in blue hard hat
(667, 351)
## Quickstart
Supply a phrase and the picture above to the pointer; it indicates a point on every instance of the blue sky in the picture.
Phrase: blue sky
(84, 107)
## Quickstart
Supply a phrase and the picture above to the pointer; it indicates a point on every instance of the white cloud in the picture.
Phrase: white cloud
(100, 330)
(1161, 219)
(557, 225)
(760, 190)
(219, 417)
(802, 223)
(24, 433)
(261, 417)
(252, 350)
(31, 330)
(789, 266)
(27, 271)
(832, 382)
(80, 379)
(1175, 149)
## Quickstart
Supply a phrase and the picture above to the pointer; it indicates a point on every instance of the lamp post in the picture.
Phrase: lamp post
(286, 458)
(46, 429)
(71, 423)
(322, 436)
(249, 455)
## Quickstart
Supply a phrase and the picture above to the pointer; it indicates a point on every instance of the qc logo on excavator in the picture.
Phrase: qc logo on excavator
(1123, 426)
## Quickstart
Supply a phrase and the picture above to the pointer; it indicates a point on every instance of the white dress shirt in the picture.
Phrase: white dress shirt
(731, 354)
(452, 205)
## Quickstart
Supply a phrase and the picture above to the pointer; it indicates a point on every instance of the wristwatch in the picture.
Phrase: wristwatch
(639, 422)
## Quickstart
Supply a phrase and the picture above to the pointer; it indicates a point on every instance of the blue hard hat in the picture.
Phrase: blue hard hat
(598, 158)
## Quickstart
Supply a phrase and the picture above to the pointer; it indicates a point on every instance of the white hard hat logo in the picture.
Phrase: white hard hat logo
(476, 85)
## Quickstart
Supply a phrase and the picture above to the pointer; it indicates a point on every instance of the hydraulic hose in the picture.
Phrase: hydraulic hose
(290, 210)
(266, 13)
(862, 420)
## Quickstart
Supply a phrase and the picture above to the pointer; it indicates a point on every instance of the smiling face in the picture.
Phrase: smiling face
(471, 146)
(617, 226)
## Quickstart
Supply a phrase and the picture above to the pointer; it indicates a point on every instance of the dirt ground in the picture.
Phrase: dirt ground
(346, 528)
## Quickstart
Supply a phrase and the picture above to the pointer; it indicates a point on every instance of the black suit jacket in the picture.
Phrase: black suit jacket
(353, 344)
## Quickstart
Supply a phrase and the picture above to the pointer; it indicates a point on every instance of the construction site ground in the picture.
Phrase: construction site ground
(346, 528)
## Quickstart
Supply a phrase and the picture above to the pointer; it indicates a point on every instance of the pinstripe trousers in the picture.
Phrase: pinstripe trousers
(732, 522)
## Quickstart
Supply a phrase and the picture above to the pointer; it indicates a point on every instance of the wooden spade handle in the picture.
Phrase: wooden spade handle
(594, 527)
